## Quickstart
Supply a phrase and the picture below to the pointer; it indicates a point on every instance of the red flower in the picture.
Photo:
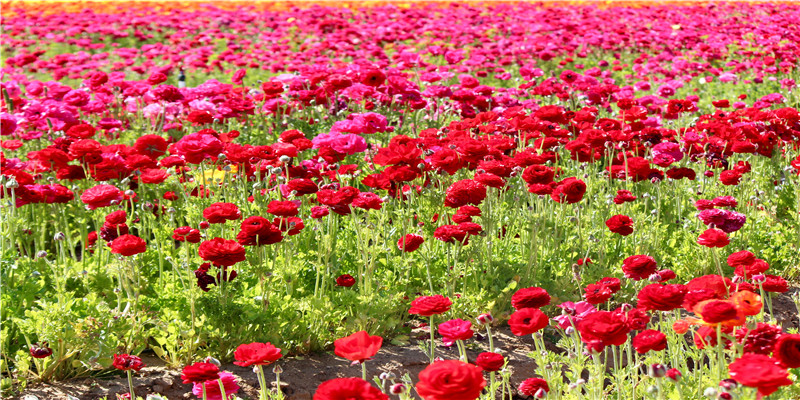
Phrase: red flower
(282, 208)
(196, 147)
(42, 351)
(200, 372)
(128, 245)
(570, 190)
(624, 196)
(218, 213)
(774, 284)
(126, 362)
(450, 380)
(425, 306)
(291, 225)
(603, 328)
(258, 231)
(345, 280)
(101, 196)
(621, 224)
(713, 238)
(256, 354)
(759, 371)
(464, 192)
(787, 350)
(650, 340)
(661, 297)
(490, 362)
(348, 389)
(730, 177)
(532, 386)
(410, 242)
(456, 329)
(759, 340)
(639, 267)
(597, 293)
(716, 311)
(358, 346)
(186, 234)
(532, 297)
(527, 321)
(221, 252)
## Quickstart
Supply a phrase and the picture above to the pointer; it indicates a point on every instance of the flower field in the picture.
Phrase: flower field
(616, 183)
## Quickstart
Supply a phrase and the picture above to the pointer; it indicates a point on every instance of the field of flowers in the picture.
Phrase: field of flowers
(616, 183)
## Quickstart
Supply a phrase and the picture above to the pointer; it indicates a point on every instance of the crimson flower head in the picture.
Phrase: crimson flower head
(490, 362)
(532, 297)
(456, 329)
(621, 224)
(348, 389)
(42, 351)
(200, 372)
(345, 280)
(222, 251)
(650, 340)
(451, 380)
(533, 386)
(527, 321)
(787, 350)
(713, 238)
(128, 245)
(358, 347)
(127, 362)
(410, 242)
(425, 306)
(256, 354)
(759, 371)
(639, 267)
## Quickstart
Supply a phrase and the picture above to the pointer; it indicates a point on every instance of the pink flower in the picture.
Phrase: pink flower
(212, 387)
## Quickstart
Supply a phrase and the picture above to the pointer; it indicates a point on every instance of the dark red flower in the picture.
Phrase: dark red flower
(464, 192)
(603, 328)
(661, 297)
(530, 387)
(256, 354)
(410, 242)
(345, 280)
(222, 251)
(490, 362)
(200, 372)
(532, 297)
(639, 267)
(713, 238)
(425, 306)
(787, 350)
(127, 362)
(219, 213)
(348, 389)
(128, 245)
(759, 371)
(570, 190)
(258, 231)
(450, 380)
(650, 340)
(621, 224)
(527, 321)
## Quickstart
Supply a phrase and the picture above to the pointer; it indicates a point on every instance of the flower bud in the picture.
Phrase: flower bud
(384, 376)
(204, 225)
(728, 384)
(674, 374)
(284, 159)
(485, 319)
(710, 392)
(277, 369)
(213, 360)
(540, 394)
(658, 371)
(725, 396)
(625, 307)
(276, 171)
(654, 278)
(569, 331)
(41, 254)
(12, 184)
(760, 278)
(59, 236)
(398, 388)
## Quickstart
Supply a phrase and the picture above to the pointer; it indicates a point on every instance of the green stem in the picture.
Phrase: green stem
(130, 384)
(433, 345)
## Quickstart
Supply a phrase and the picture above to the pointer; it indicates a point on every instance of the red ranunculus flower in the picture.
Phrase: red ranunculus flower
(128, 245)
(527, 321)
(200, 372)
(713, 237)
(530, 386)
(532, 297)
(661, 297)
(716, 311)
(425, 306)
(222, 251)
(345, 280)
(775, 284)
(101, 196)
(787, 350)
(348, 389)
(570, 190)
(648, 340)
(456, 329)
(258, 231)
(410, 242)
(490, 362)
(450, 380)
(759, 371)
(603, 327)
(218, 213)
(639, 267)
(464, 192)
(256, 354)
(597, 293)
(621, 224)
(358, 346)
(127, 362)
(282, 208)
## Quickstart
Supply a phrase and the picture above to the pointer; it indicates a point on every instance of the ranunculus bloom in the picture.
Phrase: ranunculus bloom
(570, 190)
(716, 311)
(760, 339)
(410, 242)
(527, 321)
(490, 362)
(358, 346)
(759, 371)
(456, 329)
(530, 386)
(621, 224)
(212, 387)
(196, 147)
(713, 238)
(603, 327)
(222, 251)
(256, 354)
(787, 350)
(639, 267)
(345, 280)
(218, 213)
(450, 380)
(101, 196)
(650, 340)
(532, 297)
(464, 192)
(128, 245)
(126, 362)
(597, 293)
(425, 306)
(258, 231)
(348, 389)
(661, 297)
(200, 372)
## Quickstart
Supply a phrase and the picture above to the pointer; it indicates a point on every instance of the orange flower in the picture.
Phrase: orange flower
(747, 301)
